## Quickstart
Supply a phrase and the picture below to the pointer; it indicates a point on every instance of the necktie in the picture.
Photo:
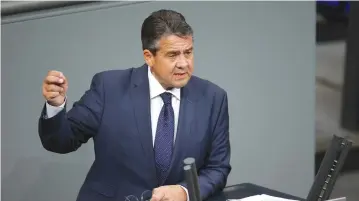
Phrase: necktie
(164, 137)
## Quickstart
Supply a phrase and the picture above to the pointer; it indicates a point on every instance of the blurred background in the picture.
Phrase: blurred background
(290, 89)
(337, 71)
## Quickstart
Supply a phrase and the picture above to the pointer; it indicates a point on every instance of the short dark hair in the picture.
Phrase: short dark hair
(162, 23)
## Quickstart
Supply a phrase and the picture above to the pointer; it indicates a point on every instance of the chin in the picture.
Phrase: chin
(180, 83)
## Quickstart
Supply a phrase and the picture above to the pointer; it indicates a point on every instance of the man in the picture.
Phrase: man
(144, 121)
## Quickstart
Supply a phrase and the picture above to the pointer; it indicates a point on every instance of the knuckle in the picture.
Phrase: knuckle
(50, 72)
(51, 79)
(53, 72)
(157, 190)
(48, 79)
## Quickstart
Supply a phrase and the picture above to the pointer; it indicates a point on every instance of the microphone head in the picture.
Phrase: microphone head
(189, 161)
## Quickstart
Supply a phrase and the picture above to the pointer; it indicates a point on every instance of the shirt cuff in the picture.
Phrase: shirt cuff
(51, 111)
(185, 189)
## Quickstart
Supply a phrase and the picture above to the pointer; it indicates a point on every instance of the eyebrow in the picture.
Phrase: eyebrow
(189, 49)
(176, 51)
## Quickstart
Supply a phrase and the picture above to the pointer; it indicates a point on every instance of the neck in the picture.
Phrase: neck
(160, 81)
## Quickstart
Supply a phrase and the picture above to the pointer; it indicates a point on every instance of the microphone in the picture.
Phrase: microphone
(191, 177)
(329, 170)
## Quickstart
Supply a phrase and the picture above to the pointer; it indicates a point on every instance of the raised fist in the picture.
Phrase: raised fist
(54, 88)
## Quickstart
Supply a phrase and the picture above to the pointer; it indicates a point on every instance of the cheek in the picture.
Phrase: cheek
(190, 67)
(166, 69)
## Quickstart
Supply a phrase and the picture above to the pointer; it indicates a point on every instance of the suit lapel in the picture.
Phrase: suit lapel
(185, 121)
(140, 96)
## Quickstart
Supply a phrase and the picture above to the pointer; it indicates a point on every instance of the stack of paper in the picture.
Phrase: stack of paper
(262, 197)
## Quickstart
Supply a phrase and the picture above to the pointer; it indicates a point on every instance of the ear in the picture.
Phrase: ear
(149, 58)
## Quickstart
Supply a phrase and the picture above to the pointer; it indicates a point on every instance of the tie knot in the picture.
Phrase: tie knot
(166, 97)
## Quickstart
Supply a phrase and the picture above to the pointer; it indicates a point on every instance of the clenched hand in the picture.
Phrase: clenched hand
(54, 88)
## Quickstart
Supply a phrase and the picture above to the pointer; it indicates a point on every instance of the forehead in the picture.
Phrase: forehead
(175, 43)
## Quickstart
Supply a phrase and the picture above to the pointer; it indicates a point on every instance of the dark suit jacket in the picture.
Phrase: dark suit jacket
(115, 112)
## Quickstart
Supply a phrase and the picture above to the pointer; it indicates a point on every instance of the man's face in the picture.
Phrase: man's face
(173, 63)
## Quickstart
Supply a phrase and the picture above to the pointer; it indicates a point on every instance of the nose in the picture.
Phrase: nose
(182, 61)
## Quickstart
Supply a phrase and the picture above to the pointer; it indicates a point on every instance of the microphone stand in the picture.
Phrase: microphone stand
(191, 177)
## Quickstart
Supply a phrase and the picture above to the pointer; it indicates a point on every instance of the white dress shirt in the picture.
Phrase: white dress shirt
(156, 90)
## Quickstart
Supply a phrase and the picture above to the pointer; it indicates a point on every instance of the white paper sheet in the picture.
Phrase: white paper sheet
(262, 197)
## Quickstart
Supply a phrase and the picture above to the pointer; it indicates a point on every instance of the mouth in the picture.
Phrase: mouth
(180, 75)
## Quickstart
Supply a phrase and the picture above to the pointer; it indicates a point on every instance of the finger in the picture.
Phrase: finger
(54, 88)
(55, 73)
(157, 195)
(161, 195)
(154, 197)
(54, 79)
(51, 95)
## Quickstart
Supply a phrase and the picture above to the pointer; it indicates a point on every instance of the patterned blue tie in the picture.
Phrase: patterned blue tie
(164, 138)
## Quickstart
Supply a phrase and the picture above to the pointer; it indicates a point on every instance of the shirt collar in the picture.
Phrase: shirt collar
(156, 88)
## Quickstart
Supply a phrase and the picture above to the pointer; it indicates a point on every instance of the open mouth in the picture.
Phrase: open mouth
(180, 75)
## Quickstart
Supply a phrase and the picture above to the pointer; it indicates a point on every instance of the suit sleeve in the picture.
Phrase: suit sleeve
(213, 176)
(66, 132)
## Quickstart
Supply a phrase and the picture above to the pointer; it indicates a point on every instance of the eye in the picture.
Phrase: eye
(171, 54)
(188, 53)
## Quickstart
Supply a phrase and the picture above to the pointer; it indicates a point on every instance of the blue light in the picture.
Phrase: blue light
(334, 4)
(330, 3)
